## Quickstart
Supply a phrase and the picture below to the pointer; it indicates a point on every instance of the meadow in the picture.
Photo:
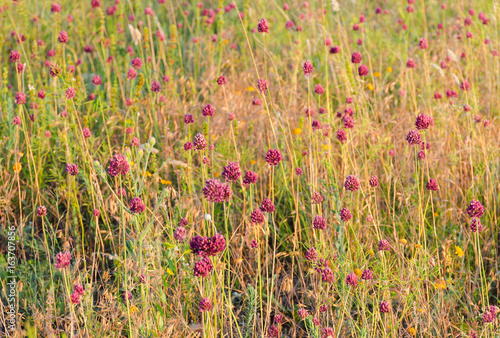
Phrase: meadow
(249, 168)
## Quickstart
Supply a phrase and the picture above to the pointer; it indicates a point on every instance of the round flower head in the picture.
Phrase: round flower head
(465, 86)
(352, 280)
(70, 93)
(136, 63)
(273, 332)
(373, 181)
(131, 74)
(136, 205)
(231, 172)
(63, 260)
(383, 245)
(367, 274)
(384, 307)
(75, 298)
(199, 142)
(188, 119)
(423, 44)
(205, 305)
(118, 165)
(273, 157)
(267, 205)
(199, 245)
(319, 223)
(63, 37)
(263, 26)
(307, 68)
(316, 198)
(250, 178)
(424, 121)
(208, 110)
(15, 56)
(254, 244)
(216, 192)
(342, 136)
(96, 80)
(262, 84)
(256, 102)
(490, 315)
(257, 217)
(278, 318)
(298, 171)
(72, 169)
(432, 185)
(203, 268)
(180, 234)
(20, 98)
(351, 183)
(16, 121)
(303, 313)
(363, 70)
(356, 57)
(328, 332)
(127, 296)
(318, 89)
(134, 142)
(311, 254)
(221, 80)
(475, 209)
(411, 63)
(348, 122)
(155, 86)
(41, 211)
(413, 137)
(345, 215)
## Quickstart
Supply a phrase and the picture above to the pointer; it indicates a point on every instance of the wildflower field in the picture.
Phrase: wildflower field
(249, 168)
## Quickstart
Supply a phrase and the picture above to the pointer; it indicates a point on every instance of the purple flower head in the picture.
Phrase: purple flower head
(342, 136)
(263, 26)
(180, 234)
(63, 260)
(199, 142)
(215, 191)
(335, 50)
(475, 209)
(328, 332)
(221, 80)
(373, 181)
(262, 84)
(41, 211)
(188, 146)
(351, 183)
(136, 63)
(136, 205)
(413, 137)
(96, 213)
(298, 171)
(188, 119)
(278, 318)
(118, 165)
(465, 86)
(319, 223)
(267, 205)
(203, 268)
(199, 245)
(72, 169)
(256, 102)
(20, 98)
(208, 110)
(78, 289)
(352, 280)
(16, 121)
(96, 80)
(155, 86)
(363, 70)
(273, 332)
(231, 172)
(356, 57)
(383, 245)
(205, 305)
(75, 298)
(384, 307)
(327, 275)
(273, 157)
(490, 315)
(348, 122)
(316, 198)
(257, 217)
(432, 185)
(307, 68)
(127, 296)
(411, 63)
(423, 44)
(424, 121)
(345, 215)
(318, 89)
(63, 37)
(70, 93)
(367, 274)
(303, 313)
(311, 254)
(250, 178)
(15, 56)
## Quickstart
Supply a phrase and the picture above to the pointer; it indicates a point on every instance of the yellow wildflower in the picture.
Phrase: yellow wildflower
(252, 162)
(418, 246)
(388, 70)
(358, 272)
(250, 89)
(133, 309)
(376, 74)
(297, 131)
(403, 241)
(213, 137)
(166, 182)
(370, 252)
(17, 167)
(440, 284)
(370, 86)
(458, 251)
(412, 331)
(216, 174)
(326, 146)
